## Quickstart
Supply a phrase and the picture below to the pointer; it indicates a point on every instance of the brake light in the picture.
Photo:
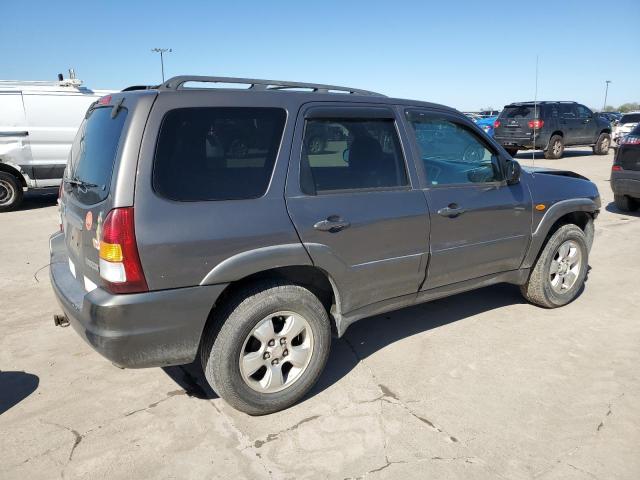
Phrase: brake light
(536, 124)
(616, 168)
(120, 266)
(106, 100)
(630, 140)
(496, 124)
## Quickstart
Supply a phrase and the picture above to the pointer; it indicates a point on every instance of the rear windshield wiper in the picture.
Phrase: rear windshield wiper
(81, 184)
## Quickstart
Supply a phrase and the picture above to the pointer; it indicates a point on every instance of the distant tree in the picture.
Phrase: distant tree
(629, 107)
(609, 108)
(486, 109)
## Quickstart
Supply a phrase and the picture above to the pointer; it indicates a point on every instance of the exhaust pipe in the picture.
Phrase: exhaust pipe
(60, 321)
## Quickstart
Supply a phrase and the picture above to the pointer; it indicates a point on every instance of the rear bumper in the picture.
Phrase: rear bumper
(626, 182)
(150, 329)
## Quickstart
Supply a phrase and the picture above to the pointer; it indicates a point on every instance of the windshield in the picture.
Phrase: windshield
(94, 151)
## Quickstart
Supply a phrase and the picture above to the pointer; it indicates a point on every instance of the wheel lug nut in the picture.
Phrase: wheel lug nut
(271, 343)
(275, 361)
(285, 353)
(283, 340)
(266, 355)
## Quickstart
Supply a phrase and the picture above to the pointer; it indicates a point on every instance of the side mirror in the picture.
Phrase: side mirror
(513, 172)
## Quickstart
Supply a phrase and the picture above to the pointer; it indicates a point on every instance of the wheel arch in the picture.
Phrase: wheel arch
(8, 168)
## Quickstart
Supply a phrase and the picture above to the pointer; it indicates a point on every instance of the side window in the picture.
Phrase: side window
(584, 112)
(216, 153)
(452, 154)
(567, 111)
(345, 154)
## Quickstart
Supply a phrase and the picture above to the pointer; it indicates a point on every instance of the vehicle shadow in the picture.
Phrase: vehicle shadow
(372, 334)
(611, 207)
(15, 387)
(35, 199)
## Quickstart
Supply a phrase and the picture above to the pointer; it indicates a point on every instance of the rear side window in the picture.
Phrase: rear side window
(347, 154)
(94, 151)
(217, 153)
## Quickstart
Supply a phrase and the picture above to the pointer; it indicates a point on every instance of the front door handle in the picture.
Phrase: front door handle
(451, 211)
(333, 224)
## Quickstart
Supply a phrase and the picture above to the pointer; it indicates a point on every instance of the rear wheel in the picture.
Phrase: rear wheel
(266, 347)
(560, 270)
(10, 192)
(625, 203)
(555, 148)
(602, 145)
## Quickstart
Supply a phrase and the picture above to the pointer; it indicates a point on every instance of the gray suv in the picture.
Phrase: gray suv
(244, 226)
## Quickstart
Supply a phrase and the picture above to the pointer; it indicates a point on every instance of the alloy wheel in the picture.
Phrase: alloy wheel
(565, 267)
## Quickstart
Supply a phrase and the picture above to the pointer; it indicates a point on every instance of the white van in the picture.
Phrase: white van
(38, 122)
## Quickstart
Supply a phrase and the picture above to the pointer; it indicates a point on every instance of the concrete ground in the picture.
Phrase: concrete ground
(477, 386)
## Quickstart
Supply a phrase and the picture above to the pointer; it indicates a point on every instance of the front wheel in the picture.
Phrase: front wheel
(602, 145)
(560, 270)
(10, 192)
(266, 347)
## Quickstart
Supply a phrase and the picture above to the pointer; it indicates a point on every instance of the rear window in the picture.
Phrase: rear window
(94, 151)
(520, 112)
(630, 118)
(217, 153)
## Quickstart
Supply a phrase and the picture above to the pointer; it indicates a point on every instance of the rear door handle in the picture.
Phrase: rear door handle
(14, 134)
(333, 224)
(451, 211)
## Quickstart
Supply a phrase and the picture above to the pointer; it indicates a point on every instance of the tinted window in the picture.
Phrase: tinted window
(342, 154)
(520, 112)
(452, 154)
(94, 151)
(584, 112)
(217, 153)
(567, 111)
(630, 118)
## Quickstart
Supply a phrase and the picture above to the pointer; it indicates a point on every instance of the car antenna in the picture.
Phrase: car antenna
(535, 123)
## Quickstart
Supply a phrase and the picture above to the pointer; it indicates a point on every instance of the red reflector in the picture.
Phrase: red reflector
(106, 100)
(118, 228)
(496, 124)
(536, 124)
(616, 168)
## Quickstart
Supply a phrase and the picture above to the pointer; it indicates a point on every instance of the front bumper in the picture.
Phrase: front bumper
(626, 182)
(150, 329)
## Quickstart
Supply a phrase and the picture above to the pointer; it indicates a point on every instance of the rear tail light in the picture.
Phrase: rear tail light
(630, 140)
(120, 266)
(536, 124)
(616, 168)
(106, 100)
(496, 124)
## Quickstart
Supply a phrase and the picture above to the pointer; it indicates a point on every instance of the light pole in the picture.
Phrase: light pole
(162, 51)
(606, 90)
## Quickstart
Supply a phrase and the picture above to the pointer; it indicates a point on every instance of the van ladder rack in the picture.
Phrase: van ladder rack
(176, 83)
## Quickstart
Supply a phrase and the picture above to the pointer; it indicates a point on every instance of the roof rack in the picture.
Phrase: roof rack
(176, 83)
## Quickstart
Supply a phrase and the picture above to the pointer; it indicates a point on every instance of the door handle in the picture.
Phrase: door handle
(14, 134)
(333, 224)
(451, 211)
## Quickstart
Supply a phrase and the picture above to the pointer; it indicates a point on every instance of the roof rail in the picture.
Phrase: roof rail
(176, 83)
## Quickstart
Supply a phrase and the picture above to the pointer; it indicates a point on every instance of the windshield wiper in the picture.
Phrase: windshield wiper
(81, 184)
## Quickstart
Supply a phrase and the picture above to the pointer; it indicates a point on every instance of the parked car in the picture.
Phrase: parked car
(38, 122)
(625, 173)
(170, 251)
(611, 116)
(486, 124)
(488, 113)
(627, 122)
(556, 125)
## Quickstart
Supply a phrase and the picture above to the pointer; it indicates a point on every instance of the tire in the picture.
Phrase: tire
(227, 339)
(602, 145)
(512, 151)
(539, 288)
(625, 203)
(555, 149)
(11, 193)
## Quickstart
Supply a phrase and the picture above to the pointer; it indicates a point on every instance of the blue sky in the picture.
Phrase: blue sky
(466, 54)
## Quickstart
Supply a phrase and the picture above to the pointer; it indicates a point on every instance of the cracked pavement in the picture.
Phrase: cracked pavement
(476, 386)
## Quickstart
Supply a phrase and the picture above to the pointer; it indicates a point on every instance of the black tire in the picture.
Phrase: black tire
(555, 149)
(11, 193)
(602, 145)
(512, 151)
(538, 289)
(233, 322)
(625, 203)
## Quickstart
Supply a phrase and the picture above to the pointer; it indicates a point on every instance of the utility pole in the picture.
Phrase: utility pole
(606, 91)
(162, 51)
